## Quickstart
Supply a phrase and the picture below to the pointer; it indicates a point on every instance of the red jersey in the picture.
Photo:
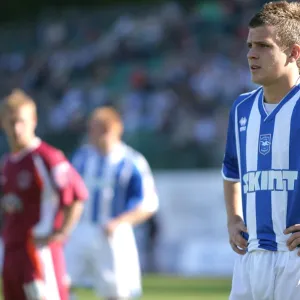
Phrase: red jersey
(80, 193)
(37, 184)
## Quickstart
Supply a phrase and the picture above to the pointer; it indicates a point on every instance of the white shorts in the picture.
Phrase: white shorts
(112, 264)
(266, 275)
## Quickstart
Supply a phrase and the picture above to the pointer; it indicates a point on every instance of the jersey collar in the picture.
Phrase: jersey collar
(268, 117)
(16, 157)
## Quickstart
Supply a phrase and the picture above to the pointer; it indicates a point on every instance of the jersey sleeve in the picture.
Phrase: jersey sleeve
(54, 171)
(62, 176)
(230, 167)
(78, 159)
(141, 189)
(79, 188)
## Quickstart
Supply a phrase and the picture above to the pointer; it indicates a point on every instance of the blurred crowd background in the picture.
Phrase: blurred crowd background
(172, 69)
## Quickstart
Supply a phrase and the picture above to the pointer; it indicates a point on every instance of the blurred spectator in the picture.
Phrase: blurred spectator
(172, 70)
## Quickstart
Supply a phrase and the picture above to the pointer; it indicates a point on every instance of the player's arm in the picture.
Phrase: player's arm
(142, 199)
(69, 187)
(135, 216)
(73, 194)
(72, 215)
(233, 203)
(72, 212)
(232, 191)
(235, 221)
(72, 206)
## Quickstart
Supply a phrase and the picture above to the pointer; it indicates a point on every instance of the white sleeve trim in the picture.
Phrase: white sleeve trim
(229, 179)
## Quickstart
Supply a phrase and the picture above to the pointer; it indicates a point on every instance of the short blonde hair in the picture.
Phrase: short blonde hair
(108, 116)
(15, 100)
(285, 17)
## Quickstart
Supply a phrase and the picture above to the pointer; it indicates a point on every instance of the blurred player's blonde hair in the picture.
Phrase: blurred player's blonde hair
(108, 116)
(15, 100)
(284, 17)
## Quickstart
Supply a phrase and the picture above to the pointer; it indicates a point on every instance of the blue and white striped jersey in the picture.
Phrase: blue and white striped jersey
(263, 153)
(117, 182)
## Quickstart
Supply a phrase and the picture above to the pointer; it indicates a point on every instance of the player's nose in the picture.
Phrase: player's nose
(252, 54)
(17, 128)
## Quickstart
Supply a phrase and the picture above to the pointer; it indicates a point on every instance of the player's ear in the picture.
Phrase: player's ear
(34, 116)
(120, 129)
(34, 121)
(294, 53)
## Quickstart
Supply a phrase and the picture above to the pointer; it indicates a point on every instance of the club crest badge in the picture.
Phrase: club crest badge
(11, 203)
(265, 141)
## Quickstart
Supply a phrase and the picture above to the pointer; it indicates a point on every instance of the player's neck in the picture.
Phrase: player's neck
(17, 148)
(275, 92)
(107, 148)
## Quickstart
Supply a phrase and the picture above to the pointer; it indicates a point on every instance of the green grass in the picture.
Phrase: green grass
(175, 288)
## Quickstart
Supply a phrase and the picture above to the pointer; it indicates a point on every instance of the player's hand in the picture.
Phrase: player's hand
(294, 240)
(56, 237)
(110, 227)
(236, 240)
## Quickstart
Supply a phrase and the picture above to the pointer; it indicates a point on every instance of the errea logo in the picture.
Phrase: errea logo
(243, 123)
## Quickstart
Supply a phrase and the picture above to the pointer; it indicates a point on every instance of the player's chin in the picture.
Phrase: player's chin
(17, 141)
(258, 78)
(20, 142)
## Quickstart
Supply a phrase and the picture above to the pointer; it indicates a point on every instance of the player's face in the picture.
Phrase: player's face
(267, 60)
(103, 134)
(19, 126)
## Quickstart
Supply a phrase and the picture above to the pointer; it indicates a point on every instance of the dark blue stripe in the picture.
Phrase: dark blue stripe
(118, 201)
(264, 222)
(79, 159)
(244, 110)
(97, 193)
(293, 206)
(135, 190)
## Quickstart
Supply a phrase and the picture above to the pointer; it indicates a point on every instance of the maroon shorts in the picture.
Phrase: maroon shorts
(35, 273)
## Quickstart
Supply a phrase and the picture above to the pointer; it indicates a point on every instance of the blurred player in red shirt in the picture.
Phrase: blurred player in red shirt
(38, 187)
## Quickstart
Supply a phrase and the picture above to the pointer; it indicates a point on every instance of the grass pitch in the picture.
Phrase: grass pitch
(157, 287)
(176, 288)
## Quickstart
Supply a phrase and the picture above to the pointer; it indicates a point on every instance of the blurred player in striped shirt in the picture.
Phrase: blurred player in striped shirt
(122, 194)
(262, 162)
